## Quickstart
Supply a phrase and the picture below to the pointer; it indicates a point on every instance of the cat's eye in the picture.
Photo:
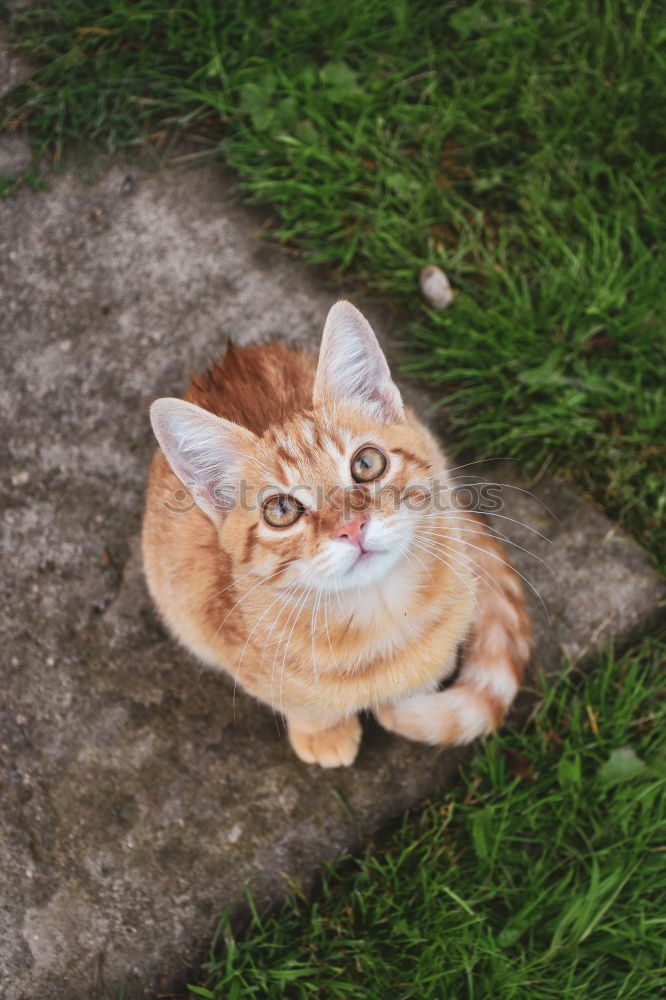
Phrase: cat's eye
(367, 464)
(281, 511)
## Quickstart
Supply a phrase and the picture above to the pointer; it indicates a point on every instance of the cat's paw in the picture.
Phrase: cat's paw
(334, 747)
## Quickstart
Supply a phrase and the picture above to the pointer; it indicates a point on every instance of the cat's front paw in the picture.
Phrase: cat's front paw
(336, 746)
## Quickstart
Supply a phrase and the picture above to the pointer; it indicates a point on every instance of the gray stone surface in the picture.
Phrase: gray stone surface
(15, 155)
(136, 796)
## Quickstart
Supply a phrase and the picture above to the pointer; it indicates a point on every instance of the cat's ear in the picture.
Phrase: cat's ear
(352, 367)
(203, 450)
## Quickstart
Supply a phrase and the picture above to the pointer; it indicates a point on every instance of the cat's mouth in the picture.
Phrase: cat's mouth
(364, 555)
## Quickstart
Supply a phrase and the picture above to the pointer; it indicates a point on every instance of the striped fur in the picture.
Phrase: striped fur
(294, 614)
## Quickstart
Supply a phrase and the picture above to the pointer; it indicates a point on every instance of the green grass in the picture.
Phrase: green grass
(520, 145)
(542, 875)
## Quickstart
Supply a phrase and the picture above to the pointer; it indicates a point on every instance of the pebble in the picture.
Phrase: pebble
(435, 287)
(20, 478)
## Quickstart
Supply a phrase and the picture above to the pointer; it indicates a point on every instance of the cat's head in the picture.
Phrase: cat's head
(329, 498)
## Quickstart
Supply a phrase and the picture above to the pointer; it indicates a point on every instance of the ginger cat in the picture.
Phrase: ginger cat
(295, 536)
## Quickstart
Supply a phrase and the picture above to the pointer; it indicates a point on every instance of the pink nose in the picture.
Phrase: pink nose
(352, 531)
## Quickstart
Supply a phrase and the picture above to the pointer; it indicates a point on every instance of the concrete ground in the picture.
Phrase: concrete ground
(136, 797)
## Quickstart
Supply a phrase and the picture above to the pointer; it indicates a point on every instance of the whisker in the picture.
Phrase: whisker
(246, 594)
(280, 597)
(417, 561)
(482, 461)
(481, 572)
(440, 545)
(313, 629)
(508, 541)
(494, 555)
(297, 608)
(328, 636)
(508, 486)
(337, 594)
(447, 473)
(291, 590)
(433, 555)
(286, 648)
(277, 648)
(229, 585)
(460, 514)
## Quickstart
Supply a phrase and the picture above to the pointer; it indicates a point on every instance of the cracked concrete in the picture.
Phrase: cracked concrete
(137, 794)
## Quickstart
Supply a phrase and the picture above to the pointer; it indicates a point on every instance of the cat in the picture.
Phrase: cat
(295, 536)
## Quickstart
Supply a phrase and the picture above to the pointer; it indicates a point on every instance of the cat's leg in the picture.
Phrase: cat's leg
(321, 742)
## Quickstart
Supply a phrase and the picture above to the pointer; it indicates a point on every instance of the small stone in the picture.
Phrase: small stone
(65, 345)
(435, 287)
(50, 662)
(21, 720)
(128, 184)
(234, 833)
(20, 478)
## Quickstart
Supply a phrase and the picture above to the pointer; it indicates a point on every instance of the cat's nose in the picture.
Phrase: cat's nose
(352, 530)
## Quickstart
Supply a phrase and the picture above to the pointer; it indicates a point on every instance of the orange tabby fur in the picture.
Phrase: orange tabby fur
(264, 603)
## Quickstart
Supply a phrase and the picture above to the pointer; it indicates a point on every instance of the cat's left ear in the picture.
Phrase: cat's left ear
(203, 450)
(352, 367)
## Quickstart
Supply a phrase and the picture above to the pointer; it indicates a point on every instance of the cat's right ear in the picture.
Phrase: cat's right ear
(352, 366)
(203, 450)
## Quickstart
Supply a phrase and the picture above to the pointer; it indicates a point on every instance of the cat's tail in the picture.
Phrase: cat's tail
(496, 652)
